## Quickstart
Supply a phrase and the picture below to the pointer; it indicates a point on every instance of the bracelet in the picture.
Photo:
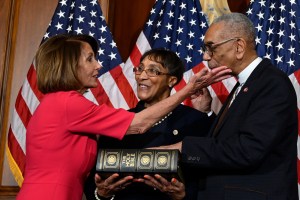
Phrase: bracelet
(97, 196)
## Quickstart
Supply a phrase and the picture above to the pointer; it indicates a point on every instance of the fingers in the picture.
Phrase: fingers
(205, 91)
(220, 70)
(109, 186)
(205, 77)
(159, 182)
(178, 186)
(121, 183)
(124, 182)
(97, 178)
(152, 182)
(221, 73)
(162, 180)
(178, 190)
(111, 179)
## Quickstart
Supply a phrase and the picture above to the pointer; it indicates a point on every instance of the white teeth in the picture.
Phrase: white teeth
(143, 86)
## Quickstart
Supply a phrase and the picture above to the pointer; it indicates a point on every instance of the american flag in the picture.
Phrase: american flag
(277, 24)
(76, 17)
(178, 25)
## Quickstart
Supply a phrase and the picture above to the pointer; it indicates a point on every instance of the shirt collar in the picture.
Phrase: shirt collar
(244, 75)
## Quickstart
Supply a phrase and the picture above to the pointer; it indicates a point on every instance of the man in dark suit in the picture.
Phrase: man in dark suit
(251, 153)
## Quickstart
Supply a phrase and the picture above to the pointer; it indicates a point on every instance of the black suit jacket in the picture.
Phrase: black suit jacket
(253, 155)
(184, 121)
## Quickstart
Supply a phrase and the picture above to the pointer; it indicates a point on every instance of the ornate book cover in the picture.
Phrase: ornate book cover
(137, 162)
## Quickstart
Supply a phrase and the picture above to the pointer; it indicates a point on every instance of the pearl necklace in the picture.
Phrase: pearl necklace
(160, 121)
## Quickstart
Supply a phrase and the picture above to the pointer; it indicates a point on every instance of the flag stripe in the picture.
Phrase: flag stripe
(22, 110)
(135, 56)
(100, 95)
(124, 86)
(28, 95)
(31, 77)
(14, 166)
(16, 151)
(114, 94)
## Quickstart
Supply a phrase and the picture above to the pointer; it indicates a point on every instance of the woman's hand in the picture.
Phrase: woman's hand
(108, 187)
(206, 77)
(175, 189)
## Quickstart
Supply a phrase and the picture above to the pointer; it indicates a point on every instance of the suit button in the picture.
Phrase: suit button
(175, 132)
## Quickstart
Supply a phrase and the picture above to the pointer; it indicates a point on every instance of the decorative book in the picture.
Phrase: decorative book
(138, 162)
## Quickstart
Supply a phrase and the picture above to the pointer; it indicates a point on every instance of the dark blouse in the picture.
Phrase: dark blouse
(183, 121)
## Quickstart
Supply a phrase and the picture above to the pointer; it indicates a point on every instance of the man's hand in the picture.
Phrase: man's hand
(202, 100)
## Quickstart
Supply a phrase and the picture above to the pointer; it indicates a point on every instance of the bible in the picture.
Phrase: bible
(138, 162)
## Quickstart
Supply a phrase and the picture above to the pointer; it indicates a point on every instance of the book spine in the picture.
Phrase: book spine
(137, 162)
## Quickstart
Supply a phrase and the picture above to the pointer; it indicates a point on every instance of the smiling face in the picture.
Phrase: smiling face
(153, 89)
(87, 68)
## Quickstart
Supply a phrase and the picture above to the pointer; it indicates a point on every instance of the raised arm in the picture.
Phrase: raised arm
(146, 118)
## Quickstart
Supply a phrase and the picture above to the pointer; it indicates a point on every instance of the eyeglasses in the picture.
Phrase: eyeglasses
(209, 48)
(150, 72)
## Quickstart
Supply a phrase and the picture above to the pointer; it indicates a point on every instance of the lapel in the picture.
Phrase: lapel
(217, 125)
(257, 72)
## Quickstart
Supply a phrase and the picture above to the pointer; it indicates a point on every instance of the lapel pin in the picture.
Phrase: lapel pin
(245, 89)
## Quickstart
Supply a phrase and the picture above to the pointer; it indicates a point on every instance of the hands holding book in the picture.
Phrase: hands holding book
(107, 188)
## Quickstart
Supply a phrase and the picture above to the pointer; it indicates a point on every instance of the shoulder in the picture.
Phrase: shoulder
(59, 97)
(268, 75)
(63, 95)
(269, 71)
(269, 81)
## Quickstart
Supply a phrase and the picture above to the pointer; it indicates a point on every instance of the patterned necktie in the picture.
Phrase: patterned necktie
(236, 89)
(236, 92)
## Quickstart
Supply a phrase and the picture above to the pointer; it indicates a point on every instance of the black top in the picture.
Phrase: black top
(183, 121)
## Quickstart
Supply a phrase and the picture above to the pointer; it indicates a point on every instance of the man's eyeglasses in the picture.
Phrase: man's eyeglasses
(209, 48)
(150, 72)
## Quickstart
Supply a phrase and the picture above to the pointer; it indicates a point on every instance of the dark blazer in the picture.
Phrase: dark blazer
(184, 121)
(253, 156)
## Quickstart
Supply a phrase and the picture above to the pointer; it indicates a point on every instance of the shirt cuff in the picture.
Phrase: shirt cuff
(210, 113)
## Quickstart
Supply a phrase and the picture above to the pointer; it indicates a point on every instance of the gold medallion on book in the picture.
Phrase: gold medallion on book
(138, 162)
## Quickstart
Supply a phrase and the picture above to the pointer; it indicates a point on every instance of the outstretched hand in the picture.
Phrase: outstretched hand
(108, 187)
(175, 189)
(206, 77)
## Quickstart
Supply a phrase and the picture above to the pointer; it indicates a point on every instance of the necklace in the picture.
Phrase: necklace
(160, 121)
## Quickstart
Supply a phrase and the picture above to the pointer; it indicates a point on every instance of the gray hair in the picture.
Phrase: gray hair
(238, 25)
